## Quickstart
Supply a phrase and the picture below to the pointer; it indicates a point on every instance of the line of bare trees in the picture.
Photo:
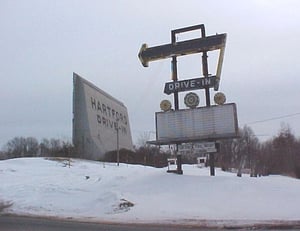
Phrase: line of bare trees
(31, 147)
(278, 155)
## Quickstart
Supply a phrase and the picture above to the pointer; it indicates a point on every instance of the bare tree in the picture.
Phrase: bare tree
(143, 138)
(226, 155)
(250, 149)
(55, 146)
(22, 147)
(284, 150)
(32, 146)
(241, 152)
(27, 147)
(45, 147)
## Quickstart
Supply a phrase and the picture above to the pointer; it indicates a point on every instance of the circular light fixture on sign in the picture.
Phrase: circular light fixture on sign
(191, 100)
(165, 105)
(220, 98)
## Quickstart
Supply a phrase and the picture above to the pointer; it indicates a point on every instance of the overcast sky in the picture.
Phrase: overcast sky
(43, 42)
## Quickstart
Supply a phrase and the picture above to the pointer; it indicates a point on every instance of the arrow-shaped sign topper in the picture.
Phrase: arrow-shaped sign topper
(187, 47)
(209, 43)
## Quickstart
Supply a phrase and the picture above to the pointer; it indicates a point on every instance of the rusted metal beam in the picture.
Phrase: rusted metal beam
(209, 43)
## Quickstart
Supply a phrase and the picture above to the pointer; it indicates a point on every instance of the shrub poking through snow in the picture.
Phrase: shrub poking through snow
(4, 205)
(124, 206)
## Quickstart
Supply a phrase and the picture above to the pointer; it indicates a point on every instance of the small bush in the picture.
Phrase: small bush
(5, 205)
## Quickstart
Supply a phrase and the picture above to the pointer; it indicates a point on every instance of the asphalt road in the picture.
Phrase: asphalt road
(17, 223)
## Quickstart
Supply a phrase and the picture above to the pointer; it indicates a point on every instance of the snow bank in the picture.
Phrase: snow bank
(133, 193)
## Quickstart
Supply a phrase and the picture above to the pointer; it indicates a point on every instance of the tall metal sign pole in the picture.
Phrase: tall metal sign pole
(207, 97)
(176, 101)
(203, 44)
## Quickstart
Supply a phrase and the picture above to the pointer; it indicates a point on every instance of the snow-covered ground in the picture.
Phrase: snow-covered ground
(96, 191)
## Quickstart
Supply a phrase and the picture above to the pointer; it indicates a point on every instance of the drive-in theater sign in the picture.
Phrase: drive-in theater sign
(194, 124)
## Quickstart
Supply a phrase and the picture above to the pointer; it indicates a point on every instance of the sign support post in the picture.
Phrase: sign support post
(176, 101)
(207, 97)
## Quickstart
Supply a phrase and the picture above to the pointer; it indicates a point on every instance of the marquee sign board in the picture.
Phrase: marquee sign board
(98, 118)
(189, 84)
(194, 125)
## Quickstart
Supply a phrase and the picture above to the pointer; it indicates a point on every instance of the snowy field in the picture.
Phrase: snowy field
(95, 191)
